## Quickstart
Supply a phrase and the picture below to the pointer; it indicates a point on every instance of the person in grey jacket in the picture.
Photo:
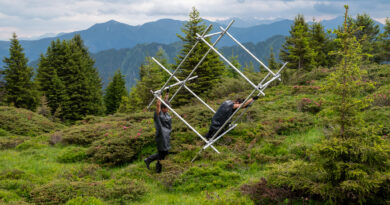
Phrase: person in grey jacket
(163, 124)
(223, 113)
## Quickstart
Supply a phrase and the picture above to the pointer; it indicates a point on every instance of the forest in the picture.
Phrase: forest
(318, 136)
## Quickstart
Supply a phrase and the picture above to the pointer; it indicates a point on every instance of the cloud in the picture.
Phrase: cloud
(35, 17)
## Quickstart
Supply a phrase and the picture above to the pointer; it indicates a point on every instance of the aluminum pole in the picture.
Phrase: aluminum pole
(185, 86)
(263, 88)
(211, 142)
(231, 65)
(212, 34)
(251, 54)
(185, 122)
(182, 61)
(204, 57)
(173, 85)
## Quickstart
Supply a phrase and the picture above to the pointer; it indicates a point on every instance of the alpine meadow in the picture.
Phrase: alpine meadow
(72, 134)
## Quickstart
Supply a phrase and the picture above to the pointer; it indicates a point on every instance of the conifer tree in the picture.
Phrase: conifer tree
(49, 83)
(82, 82)
(67, 77)
(114, 92)
(354, 158)
(296, 50)
(249, 68)
(2, 85)
(367, 32)
(319, 42)
(272, 64)
(209, 72)
(230, 71)
(19, 88)
(385, 43)
(152, 77)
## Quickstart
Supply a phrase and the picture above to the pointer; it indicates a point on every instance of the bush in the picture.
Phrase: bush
(86, 171)
(11, 174)
(116, 191)
(3, 132)
(7, 196)
(263, 193)
(72, 154)
(381, 99)
(309, 105)
(205, 178)
(85, 134)
(122, 147)
(85, 201)
(10, 142)
(115, 151)
(24, 122)
(29, 145)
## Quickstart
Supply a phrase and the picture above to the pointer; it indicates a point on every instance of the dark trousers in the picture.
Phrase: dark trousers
(212, 132)
(158, 156)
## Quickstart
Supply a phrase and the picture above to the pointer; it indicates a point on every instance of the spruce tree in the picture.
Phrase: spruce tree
(152, 77)
(19, 88)
(354, 160)
(230, 71)
(272, 64)
(83, 84)
(366, 31)
(296, 50)
(319, 42)
(49, 83)
(385, 43)
(209, 72)
(69, 80)
(114, 92)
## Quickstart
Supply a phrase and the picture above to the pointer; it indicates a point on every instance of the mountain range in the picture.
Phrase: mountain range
(117, 45)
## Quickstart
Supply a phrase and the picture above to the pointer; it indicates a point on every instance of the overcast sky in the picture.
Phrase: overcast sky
(31, 18)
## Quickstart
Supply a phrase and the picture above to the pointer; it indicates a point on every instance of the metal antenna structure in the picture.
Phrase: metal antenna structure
(257, 89)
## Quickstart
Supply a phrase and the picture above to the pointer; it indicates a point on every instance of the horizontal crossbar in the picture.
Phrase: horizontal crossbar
(173, 85)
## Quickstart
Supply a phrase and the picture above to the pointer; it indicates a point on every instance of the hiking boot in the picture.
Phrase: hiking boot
(147, 162)
(158, 167)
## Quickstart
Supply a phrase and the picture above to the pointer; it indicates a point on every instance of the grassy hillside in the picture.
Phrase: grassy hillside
(99, 160)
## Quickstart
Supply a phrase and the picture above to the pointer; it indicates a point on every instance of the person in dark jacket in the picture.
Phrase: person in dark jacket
(223, 113)
(163, 124)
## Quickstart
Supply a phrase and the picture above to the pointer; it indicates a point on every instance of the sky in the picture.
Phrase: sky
(32, 18)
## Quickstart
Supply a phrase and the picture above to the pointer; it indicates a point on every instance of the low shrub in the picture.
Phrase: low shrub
(8, 196)
(85, 134)
(11, 174)
(117, 150)
(205, 178)
(3, 133)
(72, 154)
(116, 191)
(21, 187)
(86, 171)
(29, 145)
(24, 122)
(309, 105)
(225, 198)
(10, 142)
(306, 89)
(85, 201)
(264, 193)
(381, 99)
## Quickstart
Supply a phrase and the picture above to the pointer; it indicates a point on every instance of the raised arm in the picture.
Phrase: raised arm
(235, 106)
(158, 108)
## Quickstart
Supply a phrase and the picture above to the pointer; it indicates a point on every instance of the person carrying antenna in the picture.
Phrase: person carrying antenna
(225, 110)
(163, 124)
